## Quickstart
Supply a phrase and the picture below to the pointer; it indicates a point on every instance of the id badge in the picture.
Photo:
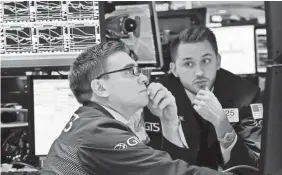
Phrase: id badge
(232, 114)
(257, 110)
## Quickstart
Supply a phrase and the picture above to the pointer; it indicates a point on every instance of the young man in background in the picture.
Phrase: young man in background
(219, 110)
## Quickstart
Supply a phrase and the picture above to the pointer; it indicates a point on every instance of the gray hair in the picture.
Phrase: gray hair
(89, 65)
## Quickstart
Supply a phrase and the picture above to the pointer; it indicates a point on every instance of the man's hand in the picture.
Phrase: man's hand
(162, 104)
(208, 106)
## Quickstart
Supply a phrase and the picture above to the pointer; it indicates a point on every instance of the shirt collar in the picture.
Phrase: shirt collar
(136, 124)
(116, 115)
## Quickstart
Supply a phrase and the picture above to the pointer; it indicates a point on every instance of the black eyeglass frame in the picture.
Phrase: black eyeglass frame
(138, 70)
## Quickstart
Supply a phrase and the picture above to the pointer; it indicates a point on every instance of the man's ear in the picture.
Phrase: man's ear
(172, 67)
(99, 89)
(218, 58)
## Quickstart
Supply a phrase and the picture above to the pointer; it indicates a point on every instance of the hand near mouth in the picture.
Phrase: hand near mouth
(162, 103)
(208, 106)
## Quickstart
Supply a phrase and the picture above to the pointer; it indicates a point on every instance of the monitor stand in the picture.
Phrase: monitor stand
(41, 161)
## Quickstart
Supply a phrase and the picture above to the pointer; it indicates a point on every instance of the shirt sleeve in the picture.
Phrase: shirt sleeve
(174, 134)
(110, 148)
(226, 152)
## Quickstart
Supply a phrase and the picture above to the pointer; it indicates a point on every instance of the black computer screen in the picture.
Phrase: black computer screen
(177, 20)
(53, 104)
(271, 153)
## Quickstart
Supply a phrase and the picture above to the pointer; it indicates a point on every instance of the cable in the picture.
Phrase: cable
(241, 166)
(10, 136)
(19, 164)
(59, 73)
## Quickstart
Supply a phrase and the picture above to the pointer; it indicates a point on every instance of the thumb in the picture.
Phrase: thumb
(150, 104)
(207, 88)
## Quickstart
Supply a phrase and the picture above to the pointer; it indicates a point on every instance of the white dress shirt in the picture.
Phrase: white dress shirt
(135, 123)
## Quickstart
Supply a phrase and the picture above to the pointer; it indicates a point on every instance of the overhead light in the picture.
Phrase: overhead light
(216, 18)
(235, 17)
(222, 11)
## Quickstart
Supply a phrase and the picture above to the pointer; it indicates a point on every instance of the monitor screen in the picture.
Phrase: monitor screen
(261, 49)
(175, 21)
(14, 90)
(236, 45)
(53, 106)
(136, 24)
(48, 33)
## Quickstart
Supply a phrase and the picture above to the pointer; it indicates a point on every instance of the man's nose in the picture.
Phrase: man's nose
(199, 71)
(142, 79)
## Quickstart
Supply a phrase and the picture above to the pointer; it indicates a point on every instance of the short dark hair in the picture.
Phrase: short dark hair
(89, 65)
(193, 35)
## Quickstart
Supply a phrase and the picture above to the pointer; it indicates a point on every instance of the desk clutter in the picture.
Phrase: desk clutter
(18, 169)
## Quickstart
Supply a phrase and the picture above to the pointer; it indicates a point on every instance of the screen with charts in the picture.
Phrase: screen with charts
(236, 45)
(54, 105)
(143, 38)
(47, 33)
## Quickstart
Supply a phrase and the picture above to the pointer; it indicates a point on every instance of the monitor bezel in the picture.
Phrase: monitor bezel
(240, 25)
(31, 129)
(269, 119)
(262, 73)
(155, 29)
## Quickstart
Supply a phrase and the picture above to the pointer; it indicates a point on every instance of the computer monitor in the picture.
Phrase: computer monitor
(271, 144)
(137, 24)
(236, 45)
(48, 34)
(261, 49)
(177, 20)
(52, 105)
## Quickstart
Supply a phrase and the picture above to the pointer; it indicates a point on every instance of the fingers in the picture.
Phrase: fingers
(204, 94)
(153, 89)
(204, 91)
(202, 97)
(159, 96)
(197, 102)
(166, 102)
(197, 108)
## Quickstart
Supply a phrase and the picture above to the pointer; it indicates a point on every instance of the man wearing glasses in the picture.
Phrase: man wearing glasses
(98, 139)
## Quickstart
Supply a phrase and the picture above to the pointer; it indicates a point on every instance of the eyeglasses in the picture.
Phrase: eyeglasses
(135, 70)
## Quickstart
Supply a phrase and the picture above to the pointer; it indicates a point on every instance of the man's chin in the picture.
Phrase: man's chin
(202, 86)
(195, 90)
(144, 101)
